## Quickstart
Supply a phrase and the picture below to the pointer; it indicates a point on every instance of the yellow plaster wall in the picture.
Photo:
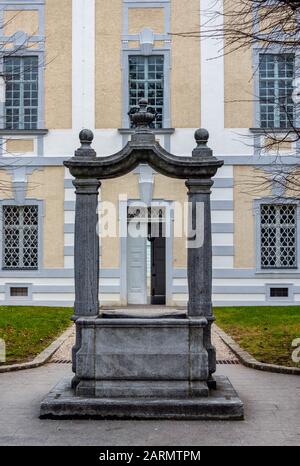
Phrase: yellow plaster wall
(58, 70)
(21, 20)
(185, 73)
(108, 64)
(48, 185)
(140, 18)
(238, 85)
(19, 146)
(6, 185)
(248, 185)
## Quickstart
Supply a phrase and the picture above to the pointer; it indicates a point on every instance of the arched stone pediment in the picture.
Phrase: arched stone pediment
(143, 148)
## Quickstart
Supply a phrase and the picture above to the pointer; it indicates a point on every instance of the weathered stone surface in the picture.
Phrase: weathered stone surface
(142, 351)
(222, 404)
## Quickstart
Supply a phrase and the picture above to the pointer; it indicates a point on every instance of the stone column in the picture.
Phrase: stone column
(200, 248)
(86, 255)
(86, 245)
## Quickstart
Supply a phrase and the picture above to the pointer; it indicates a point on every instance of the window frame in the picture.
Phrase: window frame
(276, 50)
(275, 79)
(146, 81)
(21, 82)
(257, 214)
(41, 75)
(27, 202)
(166, 122)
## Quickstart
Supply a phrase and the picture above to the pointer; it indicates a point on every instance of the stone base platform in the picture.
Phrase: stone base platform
(221, 404)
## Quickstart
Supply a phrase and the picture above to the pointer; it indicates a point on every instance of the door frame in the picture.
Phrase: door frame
(123, 206)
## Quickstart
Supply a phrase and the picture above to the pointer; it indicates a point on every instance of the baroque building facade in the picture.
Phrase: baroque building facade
(67, 65)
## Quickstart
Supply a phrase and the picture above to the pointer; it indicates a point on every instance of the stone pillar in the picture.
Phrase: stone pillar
(86, 255)
(199, 267)
(86, 245)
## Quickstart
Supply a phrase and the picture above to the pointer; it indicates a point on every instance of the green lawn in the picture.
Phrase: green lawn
(28, 330)
(265, 332)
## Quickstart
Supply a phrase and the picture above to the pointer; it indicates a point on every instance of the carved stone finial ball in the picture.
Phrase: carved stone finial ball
(201, 136)
(86, 136)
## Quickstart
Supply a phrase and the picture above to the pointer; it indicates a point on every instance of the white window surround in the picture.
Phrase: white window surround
(10, 298)
(289, 286)
(26, 202)
(257, 217)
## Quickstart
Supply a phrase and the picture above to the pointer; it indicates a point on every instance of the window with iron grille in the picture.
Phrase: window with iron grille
(146, 80)
(20, 237)
(21, 100)
(278, 236)
(276, 75)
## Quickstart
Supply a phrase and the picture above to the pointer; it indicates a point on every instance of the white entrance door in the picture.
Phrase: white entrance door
(137, 270)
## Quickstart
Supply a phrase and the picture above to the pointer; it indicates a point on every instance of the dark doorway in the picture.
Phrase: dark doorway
(158, 263)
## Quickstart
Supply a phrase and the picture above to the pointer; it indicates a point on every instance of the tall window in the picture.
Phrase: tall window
(21, 101)
(20, 237)
(278, 236)
(276, 74)
(146, 80)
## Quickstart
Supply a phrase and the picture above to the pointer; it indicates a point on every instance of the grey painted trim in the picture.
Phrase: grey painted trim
(229, 160)
(40, 204)
(221, 205)
(215, 205)
(223, 183)
(69, 228)
(291, 292)
(160, 131)
(219, 183)
(222, 228)
(23, 132)
(53, 273)
(216, 303)
(223, 250)
(68, 251)
(216, 228)
(256, 211)
(224, 289)
(241, 273)
(21, 299)
(69, 206)
(71, 289)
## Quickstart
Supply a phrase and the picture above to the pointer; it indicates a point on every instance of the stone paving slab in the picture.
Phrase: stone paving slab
(272, 415)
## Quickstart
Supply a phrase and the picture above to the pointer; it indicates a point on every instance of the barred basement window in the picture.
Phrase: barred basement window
(146, 80)
(276, 74)
(278, 236)
(279, 292)
(21, 100)
(18, 292)
(20, 237)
